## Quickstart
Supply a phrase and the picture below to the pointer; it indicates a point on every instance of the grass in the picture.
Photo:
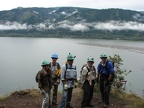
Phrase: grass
(133, 100)
(30, 92)
(2, 98)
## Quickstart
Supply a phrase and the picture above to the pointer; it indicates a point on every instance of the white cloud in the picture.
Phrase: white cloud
(111, 25)
(117, 25)
(73, 27)
(13, 26)
(79, 27)
(63, 13)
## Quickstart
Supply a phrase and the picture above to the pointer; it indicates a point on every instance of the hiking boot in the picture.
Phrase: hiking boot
(83, 106)
(90, 105)
(54, 104)
(105, 105)
(100, 101)
(69, 106)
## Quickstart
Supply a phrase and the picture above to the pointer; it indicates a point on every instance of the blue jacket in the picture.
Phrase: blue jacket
(108, 69)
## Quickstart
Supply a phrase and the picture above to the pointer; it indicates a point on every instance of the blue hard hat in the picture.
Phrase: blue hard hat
(54, 56)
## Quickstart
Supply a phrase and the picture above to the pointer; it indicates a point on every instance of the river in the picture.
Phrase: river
(21, 58)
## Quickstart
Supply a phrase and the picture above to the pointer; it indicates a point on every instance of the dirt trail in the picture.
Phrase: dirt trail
(28, 100)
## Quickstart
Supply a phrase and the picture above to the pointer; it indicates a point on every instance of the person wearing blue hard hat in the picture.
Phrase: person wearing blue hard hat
(56, 70)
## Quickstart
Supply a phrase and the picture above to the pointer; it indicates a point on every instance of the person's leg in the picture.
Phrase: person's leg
(106, 93)
(45, 103)
(91, 94)
(54, 100)
(86, 94)
(69, 96)
(102, 89)
(63, 99)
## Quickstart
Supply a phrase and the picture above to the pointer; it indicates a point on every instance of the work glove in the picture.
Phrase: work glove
(65, 87)
(52, 87)
(76, 84)
(90, 73)
(57, 82)
(43, 92)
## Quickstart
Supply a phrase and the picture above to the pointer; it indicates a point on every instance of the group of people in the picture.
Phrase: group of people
(51, 74)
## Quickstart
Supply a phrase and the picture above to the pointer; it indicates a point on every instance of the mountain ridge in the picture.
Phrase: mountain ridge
(73, 22)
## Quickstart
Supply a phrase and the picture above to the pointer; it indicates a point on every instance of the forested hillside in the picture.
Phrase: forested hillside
(72, 22)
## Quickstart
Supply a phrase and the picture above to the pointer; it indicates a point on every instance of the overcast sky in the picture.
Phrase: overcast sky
(97, 4)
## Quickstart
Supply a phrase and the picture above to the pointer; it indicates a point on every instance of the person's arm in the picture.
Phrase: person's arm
(39, 81)
(84, 74)
(98, 73)
(49, 73)
(76, 74)
(84, 71)
(62, 76)
(111, 71)
(58, 73)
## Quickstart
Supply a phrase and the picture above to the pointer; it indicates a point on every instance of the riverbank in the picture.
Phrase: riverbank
(31, 98)
(129, 48)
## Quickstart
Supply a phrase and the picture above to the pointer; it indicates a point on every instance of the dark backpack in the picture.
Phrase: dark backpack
(36, 77)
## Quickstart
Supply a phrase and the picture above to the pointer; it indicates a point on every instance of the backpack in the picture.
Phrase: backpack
(36, 77)
(66, 70)
(81, 78)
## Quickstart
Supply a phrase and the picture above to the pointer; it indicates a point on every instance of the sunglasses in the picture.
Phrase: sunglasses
(103, 57)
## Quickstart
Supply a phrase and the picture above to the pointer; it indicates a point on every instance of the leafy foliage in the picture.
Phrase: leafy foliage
(119, 73)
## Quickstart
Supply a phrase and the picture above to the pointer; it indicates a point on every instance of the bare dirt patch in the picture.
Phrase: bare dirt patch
(27, 99)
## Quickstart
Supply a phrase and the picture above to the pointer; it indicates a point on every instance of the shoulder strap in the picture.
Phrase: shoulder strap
(50, 64)
(65, 70)
(87, 68)
(58, 65)
(107, 68)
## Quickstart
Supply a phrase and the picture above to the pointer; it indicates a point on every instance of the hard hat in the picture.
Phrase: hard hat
(90, 59)
(45, 62)
(70, 57)
(54, 56)
(103, 55)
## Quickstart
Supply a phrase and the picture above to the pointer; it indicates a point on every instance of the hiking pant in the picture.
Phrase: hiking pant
(105, 90)
(66, 97)
(54, 99)
(46, 102)
(87, 93)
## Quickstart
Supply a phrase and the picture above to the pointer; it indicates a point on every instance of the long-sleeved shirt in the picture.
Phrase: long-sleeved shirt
(106, 68)
(88, 73)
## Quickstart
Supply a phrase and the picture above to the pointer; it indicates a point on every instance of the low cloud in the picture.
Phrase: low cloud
(76, 27)
(13, 26)
(117, 25)
(83, 26)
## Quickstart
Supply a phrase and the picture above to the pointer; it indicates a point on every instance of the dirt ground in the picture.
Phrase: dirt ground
(28, 100)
